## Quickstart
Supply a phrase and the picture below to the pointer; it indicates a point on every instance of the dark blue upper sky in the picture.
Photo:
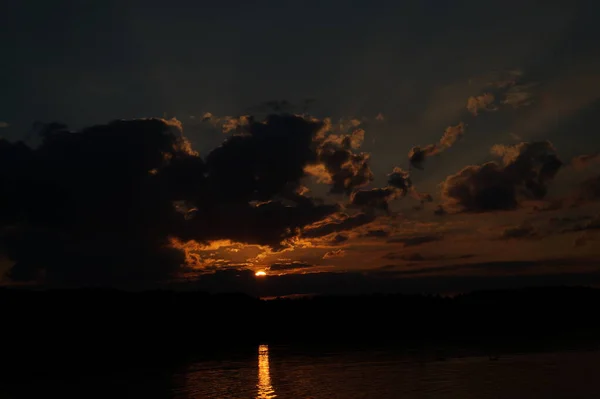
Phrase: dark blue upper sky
(415, 62)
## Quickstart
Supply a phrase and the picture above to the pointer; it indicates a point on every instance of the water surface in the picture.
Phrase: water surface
(284, 373)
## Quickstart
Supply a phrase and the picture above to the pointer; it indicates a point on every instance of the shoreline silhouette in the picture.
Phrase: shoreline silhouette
(92, 328)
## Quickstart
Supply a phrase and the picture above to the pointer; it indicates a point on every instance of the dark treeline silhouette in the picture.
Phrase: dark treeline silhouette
(45, 330)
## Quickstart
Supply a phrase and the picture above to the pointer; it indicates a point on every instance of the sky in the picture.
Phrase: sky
(373, 146)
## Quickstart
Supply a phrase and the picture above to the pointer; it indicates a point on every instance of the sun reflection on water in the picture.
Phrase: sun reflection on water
(265, 389)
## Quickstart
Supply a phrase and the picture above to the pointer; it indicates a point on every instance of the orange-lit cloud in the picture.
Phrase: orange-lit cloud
(336, 253)
(418, 155)
(484, 102)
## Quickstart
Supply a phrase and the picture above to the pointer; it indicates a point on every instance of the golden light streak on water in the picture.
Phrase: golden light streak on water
(264, 387)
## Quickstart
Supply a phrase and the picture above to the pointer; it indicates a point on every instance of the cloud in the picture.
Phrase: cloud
(582, 162)
(588, 190)
(341, 168)
(505, 85)
(567, 220)
(400, 179)
(117, 203)
(417, 257)
(521, 231)
(3, 125)
(336, 223)
(376, 198)
(235, 124)
(439, 211)
(498, 269)
(417, 155)
(277, 106)
(588, 224)
(581, 240)
(337, 161)
(283, 266)
(413, 257)
(519, 96)
(561, 98)
(504, 79)
(339, 238)
(77, 207)
(443, 279)
(377, 233)
(336, 253)
(423, 199)
(399, 185)
(416, 240)
(483, 102)
(525, 172)
(502, 88)
(451, 135)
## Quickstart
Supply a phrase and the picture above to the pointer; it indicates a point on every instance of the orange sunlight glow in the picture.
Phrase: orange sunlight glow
(260, 273)
(265, 389)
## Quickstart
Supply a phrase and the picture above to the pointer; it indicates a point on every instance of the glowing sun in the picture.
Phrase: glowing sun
(260, 273)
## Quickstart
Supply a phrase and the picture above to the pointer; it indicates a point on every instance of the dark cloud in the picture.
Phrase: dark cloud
(525, 172)
(277, 106)
(413, 257)
(343, 222)
(331, 148)
(400, 179)
(108, 204)
(503, 79)
(377, 233)
(423, 198)
(521, 231)
(396, 278)
(588, 190)
(581, 240)
(489, 267)
(376, 198)
(415, 240)
(282, 106)
(86, 206)
(399, 185)
(281, 266)
(337, 161)
(503, 88)
(497, 269)
(418, 155)
(589, 224)
(439, 211)
(417, 257)
(567, 220)
(336, 253)
(339, 238)
(582, 162)
(519, 96)
(344, 170)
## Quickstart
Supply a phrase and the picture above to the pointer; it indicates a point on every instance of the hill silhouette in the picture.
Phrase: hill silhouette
(47, 330)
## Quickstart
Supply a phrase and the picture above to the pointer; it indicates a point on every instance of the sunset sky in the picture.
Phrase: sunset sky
(425, 145)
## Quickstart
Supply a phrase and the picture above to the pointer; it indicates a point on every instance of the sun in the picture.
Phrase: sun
(260, 273)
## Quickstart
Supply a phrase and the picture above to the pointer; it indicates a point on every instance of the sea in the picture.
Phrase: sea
(268, 372)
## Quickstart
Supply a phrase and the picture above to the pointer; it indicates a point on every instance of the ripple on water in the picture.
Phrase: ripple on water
(358, 375)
